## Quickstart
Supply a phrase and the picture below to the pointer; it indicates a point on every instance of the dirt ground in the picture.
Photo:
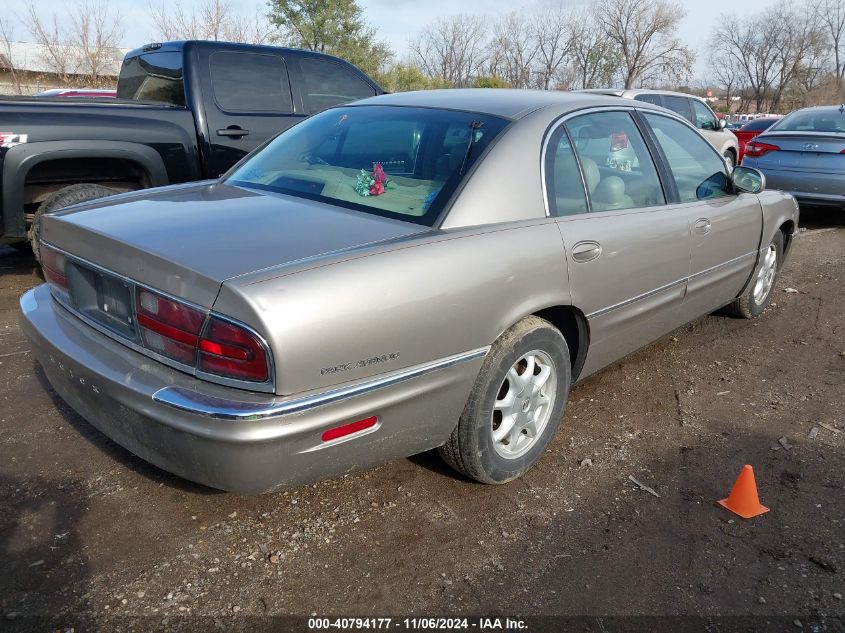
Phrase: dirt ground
(92, 537)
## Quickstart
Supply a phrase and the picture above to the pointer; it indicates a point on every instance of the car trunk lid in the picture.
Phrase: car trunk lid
(187, 240)
(804, 151)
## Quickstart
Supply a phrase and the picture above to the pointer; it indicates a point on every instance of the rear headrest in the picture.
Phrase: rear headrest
(592, 175)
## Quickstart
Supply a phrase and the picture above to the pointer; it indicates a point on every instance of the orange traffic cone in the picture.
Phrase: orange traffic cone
(743, 499)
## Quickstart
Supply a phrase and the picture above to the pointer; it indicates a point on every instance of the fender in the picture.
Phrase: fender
(22, 158)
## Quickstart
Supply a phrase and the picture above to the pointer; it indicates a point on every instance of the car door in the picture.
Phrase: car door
(708, 124)
(725, 226)
(627, 251)
(249, 102)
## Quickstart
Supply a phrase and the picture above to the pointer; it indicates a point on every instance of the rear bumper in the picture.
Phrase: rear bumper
(808, 187)
(231, 439)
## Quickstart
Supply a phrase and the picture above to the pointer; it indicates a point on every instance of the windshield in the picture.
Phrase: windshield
(399, 162)
(826, 120)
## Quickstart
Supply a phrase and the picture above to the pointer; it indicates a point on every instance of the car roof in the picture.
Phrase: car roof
(502, 102)
(632, 92)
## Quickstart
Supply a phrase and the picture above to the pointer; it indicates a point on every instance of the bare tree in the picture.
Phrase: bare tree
(96, 34)
(81, 45)
(594, 59)
(213, 20)
(645, 32)
(56, 52)
(512, 50)
(727, 73)
(553, 43)
(831, 17)
(452, 49)
(7, 59)
(772, 48)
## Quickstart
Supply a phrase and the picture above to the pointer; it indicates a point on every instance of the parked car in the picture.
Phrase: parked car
(804, 154)
(184, 111)
(693, 109)
(73, 93)
(411, 271)
(751, 129)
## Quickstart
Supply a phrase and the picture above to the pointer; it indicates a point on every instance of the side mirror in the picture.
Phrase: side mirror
(723, 123)
(747, 180)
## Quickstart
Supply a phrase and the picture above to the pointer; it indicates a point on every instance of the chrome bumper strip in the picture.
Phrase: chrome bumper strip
(225, 409)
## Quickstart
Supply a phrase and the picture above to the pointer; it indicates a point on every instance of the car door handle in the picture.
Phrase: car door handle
(586, 251)
(702, 226)
(232, 130)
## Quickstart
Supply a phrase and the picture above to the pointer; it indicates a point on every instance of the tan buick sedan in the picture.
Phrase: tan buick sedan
(412, 271)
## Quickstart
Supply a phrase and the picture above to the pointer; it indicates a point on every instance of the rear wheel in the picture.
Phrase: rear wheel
(515, 406)
(64, 198)
(758, 295)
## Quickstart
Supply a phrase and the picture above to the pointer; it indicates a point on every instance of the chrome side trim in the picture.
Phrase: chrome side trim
(644, 295)
(672, 284)
(701, 273)
(225, 409)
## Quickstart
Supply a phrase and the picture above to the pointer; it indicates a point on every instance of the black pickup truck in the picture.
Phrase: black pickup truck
(184, 111)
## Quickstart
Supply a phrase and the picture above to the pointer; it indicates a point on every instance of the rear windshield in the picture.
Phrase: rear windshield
(758, 124)
(398, 162)
(827, 120)
(152, 77)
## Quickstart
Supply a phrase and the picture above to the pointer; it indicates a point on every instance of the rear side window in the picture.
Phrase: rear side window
(152, 77)
(618, 169)
(646, 98)
(681, 105)
(250, 82)
(564, 186)
(699, 171)
(704, 118)
(328, 83)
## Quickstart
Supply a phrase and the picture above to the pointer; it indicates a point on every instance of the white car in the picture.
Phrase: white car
(692, 108)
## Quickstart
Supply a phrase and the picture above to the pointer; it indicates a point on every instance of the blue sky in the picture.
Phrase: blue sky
(398, 20)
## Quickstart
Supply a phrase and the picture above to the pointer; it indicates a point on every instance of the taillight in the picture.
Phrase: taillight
(755, 149)
(168, 327)
(53, 264)
(229, 350)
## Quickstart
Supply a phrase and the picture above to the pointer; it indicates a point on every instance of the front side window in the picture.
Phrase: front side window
(681, 105)
(704, 117)
(698, 170)
(328, 83)
(617, 166)
(152, 77)
(564, 186)
(250, 82)
(398, 162)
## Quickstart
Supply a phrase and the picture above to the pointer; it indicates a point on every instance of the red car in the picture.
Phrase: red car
(752, 129)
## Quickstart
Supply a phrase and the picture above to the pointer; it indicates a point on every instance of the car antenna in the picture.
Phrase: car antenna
(473, 129)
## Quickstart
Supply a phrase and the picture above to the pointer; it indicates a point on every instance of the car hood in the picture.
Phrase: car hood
(187, 240)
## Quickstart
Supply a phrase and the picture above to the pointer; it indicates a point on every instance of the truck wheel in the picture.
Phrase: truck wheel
(515, 406)
(64, 198)
(757, 296)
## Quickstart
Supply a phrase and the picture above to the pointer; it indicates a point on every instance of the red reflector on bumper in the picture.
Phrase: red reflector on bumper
(349, 429)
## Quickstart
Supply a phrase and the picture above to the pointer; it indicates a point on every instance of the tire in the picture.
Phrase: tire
(758, 295)
(472, 449)
(64, 198)
(731, 160)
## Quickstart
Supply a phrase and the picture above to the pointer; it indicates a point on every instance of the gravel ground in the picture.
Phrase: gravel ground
(93, 537)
